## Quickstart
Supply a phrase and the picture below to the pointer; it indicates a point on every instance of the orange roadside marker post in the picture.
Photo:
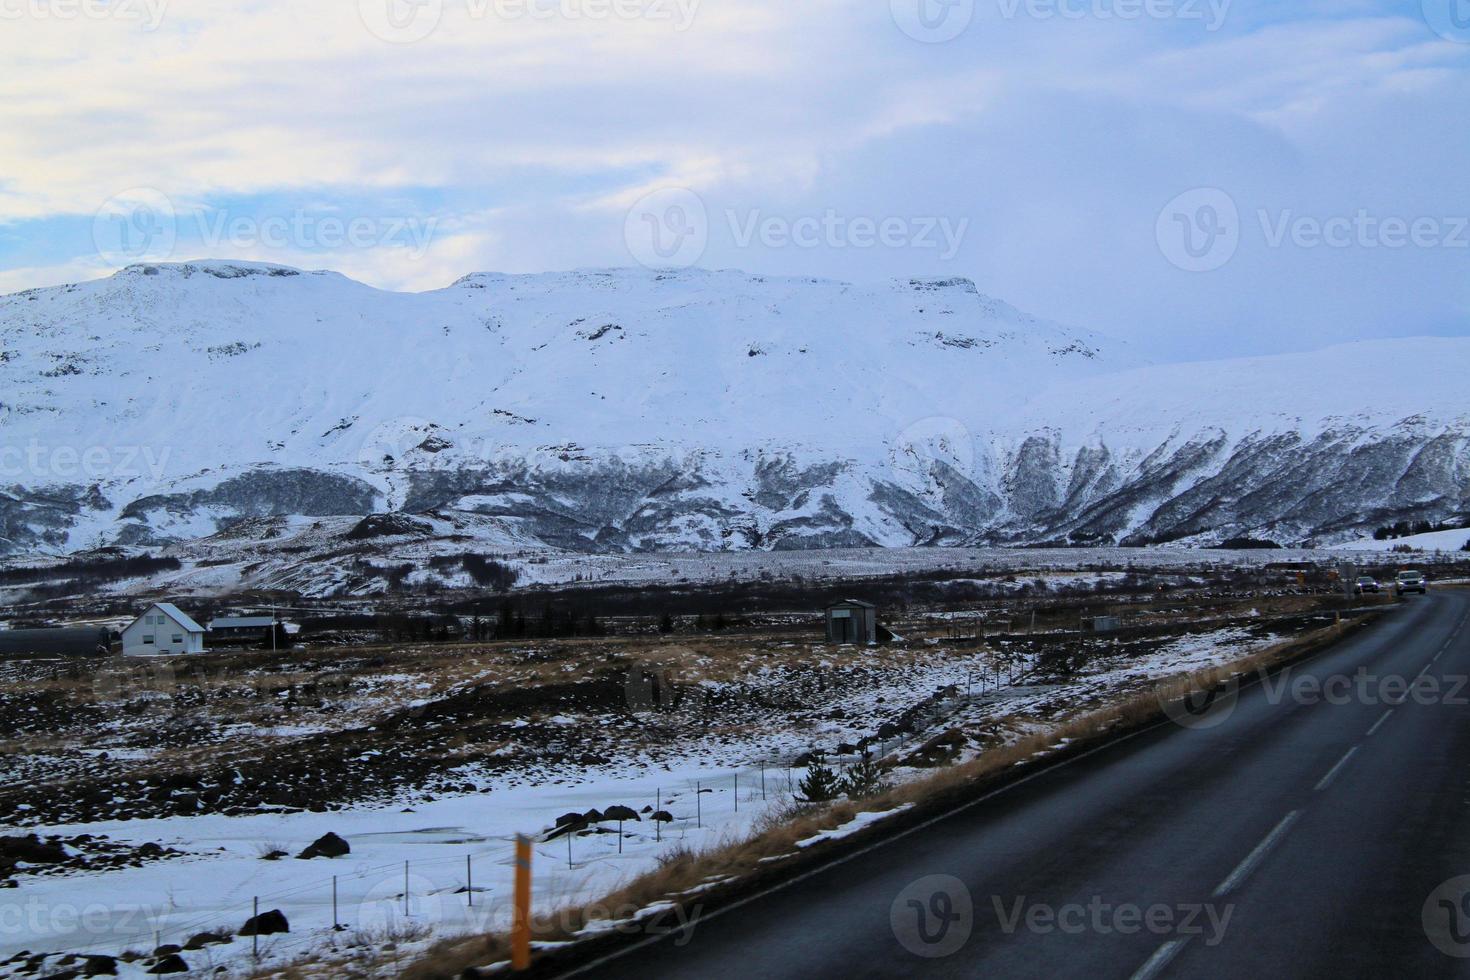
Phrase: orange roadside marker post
(520, 930)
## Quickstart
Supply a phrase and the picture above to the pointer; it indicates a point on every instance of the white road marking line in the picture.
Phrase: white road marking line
(1047, 769)
(1160, 959)
(780, 886)
(1244, 868)
(1379, 723)
(1332, 773)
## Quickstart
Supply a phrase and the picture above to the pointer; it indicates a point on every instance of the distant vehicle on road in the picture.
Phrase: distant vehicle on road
(1366, 584)
(1411, 582)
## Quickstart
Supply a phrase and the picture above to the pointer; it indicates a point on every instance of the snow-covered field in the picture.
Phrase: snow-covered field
(847, 564)
(1454, 540)
(445, 843)
(308, 556)
(743, 770)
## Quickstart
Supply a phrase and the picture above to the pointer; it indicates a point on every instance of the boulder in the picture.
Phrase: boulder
(266, 924)
(202, 939)
(172, 963)
(32, 850)
(97, 965)
(620, 812)
(662, 816)
(328, 845)
(572, 827)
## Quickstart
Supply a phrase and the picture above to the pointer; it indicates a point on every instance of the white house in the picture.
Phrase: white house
(162, 630)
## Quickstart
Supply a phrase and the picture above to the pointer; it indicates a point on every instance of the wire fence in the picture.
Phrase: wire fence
(466, 892)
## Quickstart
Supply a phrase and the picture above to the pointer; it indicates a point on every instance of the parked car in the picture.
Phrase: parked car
(1411, 582)
(1366, 584)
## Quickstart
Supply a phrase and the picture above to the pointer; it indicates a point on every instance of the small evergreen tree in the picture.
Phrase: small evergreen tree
(666, 624)
(864, 779)
(820, 784)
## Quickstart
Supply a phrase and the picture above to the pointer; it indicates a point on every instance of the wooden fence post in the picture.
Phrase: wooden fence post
(520, 930)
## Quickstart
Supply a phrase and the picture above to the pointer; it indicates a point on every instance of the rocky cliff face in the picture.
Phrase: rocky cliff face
(632, 411)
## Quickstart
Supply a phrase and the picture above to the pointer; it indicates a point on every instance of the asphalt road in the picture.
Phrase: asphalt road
(1300, 829)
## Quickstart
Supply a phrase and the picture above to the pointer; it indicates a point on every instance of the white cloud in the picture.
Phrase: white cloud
(1057, 140)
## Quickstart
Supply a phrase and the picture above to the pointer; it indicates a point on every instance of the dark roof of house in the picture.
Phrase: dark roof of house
(69, 641)
(853, 602)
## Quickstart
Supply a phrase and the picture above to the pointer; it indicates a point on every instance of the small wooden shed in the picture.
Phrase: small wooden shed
(852, 621)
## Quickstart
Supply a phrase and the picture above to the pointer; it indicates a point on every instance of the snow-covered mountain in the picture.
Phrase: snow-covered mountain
(627, 410)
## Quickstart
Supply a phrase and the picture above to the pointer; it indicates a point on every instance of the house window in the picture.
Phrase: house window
(178, 638)
(148, 638)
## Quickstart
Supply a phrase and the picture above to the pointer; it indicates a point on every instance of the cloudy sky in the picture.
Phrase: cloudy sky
(1197, 176)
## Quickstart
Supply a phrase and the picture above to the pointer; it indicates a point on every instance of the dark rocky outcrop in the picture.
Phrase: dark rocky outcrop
(329, 845)
(266, 924)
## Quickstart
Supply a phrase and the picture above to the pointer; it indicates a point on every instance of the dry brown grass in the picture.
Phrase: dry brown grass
(777, 836)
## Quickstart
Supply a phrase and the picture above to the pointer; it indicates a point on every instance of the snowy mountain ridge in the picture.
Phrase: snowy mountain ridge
(635, 410)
